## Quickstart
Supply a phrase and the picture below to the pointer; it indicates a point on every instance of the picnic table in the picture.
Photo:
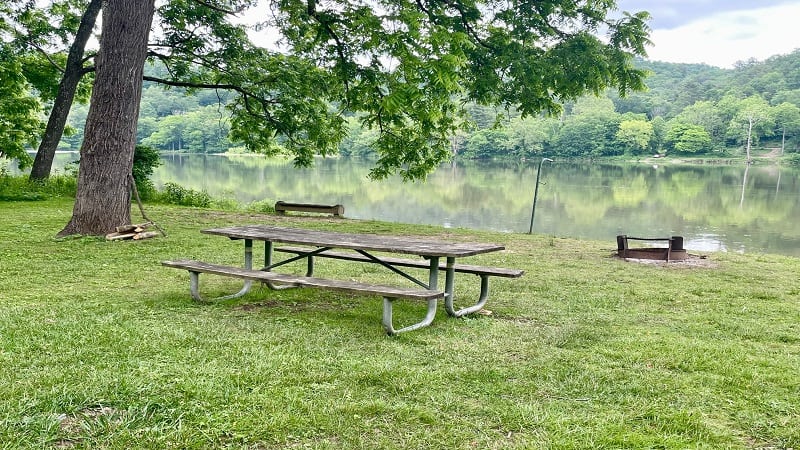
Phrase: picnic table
(434, 256)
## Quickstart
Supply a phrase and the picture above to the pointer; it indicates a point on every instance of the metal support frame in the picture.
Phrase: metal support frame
(433, 278)
(482, 298)
(269, 265)
(433, 282)
(194, 278)
(405, 275)
(387, 317)
(449, 292)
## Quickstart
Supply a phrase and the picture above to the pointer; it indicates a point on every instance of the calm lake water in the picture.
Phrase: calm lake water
(714, 207)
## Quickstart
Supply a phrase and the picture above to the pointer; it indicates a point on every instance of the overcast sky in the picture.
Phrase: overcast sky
(714, 32)
(719, 32)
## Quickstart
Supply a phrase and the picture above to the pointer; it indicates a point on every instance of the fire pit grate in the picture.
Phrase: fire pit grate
(674, 250)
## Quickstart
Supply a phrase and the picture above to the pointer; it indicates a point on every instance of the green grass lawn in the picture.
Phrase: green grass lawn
(102, 347)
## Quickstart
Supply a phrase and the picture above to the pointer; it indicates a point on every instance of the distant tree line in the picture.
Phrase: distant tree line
(689, 109)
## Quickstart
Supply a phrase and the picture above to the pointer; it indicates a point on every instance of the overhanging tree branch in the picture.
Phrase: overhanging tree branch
(219, 8)
(340, 46)
(196, 85)
(42, 51)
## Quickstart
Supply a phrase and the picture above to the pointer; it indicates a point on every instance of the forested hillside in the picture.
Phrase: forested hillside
(688, 109)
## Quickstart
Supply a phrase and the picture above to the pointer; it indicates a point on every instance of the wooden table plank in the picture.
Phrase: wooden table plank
(369, 242)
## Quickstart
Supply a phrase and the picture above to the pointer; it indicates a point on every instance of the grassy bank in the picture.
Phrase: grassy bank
(101, 347)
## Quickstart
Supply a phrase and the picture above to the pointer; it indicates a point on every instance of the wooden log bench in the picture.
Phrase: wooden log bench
(481, 271)
(389, 293)
(281, 207)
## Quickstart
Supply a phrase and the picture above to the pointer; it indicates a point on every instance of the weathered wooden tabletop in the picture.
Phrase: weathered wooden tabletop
(355, 241)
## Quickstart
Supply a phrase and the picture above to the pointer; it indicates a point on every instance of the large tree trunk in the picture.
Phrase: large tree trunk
(73, 71)
(103, 198)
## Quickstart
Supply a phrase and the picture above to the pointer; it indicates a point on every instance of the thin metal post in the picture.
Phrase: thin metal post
(536, 192)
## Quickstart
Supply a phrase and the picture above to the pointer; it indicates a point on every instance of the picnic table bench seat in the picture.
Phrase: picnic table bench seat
(389, 293)
(483, 272)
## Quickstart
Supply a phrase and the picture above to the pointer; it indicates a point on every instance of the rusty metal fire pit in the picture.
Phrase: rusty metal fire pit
(674, 250)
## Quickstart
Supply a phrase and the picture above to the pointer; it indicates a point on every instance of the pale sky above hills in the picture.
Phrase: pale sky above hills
(719, 32)
(714, 32)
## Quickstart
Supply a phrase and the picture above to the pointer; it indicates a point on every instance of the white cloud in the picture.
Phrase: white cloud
(723, 39)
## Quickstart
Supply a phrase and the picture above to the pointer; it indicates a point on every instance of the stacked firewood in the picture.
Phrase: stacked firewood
(136, 232)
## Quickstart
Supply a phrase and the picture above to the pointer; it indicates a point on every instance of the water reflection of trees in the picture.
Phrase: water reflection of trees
(595, 201)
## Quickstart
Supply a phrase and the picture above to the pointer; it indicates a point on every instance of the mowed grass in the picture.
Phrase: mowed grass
(102, 347)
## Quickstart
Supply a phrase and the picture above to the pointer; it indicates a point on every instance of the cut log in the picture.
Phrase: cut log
(138, 227)
(145, 235)
(119, 236)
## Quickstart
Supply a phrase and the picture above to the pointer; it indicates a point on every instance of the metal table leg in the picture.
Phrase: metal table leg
(194, 277)
(449, 296)
(268, 247)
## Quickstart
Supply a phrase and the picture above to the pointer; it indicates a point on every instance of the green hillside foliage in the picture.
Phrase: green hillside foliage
(688, 110)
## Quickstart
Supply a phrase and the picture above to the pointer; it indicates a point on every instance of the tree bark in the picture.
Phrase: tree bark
(103, 199)
(73, 72)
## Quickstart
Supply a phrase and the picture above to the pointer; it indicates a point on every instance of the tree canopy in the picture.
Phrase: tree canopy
(405, 68)
(19, 110)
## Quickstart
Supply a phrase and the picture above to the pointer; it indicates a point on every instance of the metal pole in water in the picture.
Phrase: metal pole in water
(536, 192)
